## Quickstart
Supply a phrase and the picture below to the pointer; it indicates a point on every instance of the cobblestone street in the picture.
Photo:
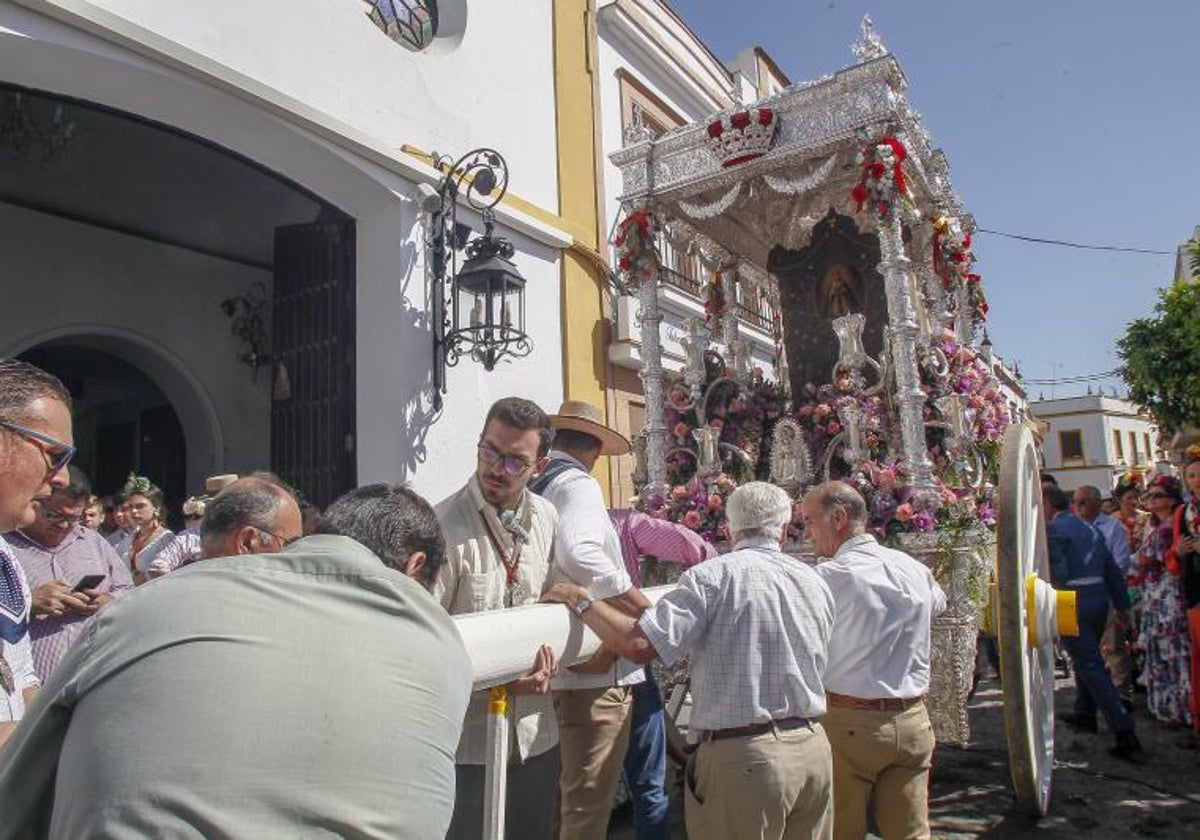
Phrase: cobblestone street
(1095, 795)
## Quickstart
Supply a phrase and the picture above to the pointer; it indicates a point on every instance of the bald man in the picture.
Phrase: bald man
(253, 515)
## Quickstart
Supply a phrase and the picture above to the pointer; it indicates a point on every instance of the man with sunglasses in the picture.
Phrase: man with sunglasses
(1080, 560)
(253, 515)
(58, 553)
(35, 445)
(499, 550)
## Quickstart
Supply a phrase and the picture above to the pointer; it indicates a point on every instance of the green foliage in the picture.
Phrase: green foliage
(1161, 356)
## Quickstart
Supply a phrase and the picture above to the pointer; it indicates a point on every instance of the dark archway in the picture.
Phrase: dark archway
(123, 421)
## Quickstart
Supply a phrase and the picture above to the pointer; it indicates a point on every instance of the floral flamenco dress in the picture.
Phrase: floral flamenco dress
(1163, 637)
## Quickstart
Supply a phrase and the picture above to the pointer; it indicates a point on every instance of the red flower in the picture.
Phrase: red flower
(876, 169)
(624, 263)
(859, 194)
(897, 148)
(740, 120)
(715, 129)
(765, 116)
(619, 241)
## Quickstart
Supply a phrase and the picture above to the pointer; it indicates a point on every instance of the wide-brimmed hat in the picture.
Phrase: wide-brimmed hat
(214, 484)
(587, 418)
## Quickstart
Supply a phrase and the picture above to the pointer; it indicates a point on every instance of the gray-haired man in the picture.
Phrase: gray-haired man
(253, 515)
(757, 624)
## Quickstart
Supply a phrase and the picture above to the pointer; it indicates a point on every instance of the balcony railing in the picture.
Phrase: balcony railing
(692, 287)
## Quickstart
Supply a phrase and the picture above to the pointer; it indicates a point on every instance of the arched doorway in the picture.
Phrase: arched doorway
(123, 421)
(205, 272)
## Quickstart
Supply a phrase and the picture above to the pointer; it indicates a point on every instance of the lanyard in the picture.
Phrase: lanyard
(510, 566)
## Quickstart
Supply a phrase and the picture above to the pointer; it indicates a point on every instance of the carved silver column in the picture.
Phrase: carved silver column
(904, 333)
(655, 430)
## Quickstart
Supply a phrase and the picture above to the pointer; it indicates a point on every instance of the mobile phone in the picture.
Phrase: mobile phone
(89, 582)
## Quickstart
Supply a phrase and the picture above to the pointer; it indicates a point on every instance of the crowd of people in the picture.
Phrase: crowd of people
(1134, 561)
(287, 669)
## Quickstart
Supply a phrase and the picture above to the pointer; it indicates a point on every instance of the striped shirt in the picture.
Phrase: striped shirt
(82, 552)
(644, 536)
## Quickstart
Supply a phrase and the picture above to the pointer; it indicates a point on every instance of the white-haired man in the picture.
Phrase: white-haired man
(757, 624)
(878, 669)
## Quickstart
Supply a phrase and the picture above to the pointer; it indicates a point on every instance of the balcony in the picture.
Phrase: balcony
(692, 287)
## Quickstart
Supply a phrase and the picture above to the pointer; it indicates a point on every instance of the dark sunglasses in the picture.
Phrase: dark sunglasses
(513, 465)
(57, 453)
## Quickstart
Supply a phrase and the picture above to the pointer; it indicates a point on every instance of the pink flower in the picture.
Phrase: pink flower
(717, 423)
(681, 430)
(715, 502)
(834, 427)
(679, 492)
(904, 512)
(821, 411)
(692, 519)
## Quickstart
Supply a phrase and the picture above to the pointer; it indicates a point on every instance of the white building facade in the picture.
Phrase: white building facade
(186, 171)
(1093, 439)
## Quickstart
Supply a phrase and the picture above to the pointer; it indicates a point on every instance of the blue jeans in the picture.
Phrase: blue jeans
(646, 763)
(1094, 689)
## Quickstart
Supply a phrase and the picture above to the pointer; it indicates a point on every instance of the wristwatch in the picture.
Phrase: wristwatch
(583, 604)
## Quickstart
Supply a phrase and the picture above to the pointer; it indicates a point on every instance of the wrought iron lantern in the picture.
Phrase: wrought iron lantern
(478, 309)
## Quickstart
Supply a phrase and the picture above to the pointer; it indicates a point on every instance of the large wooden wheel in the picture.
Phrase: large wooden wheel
(1028, 614)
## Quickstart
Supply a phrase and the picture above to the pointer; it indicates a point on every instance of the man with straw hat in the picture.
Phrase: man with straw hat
(593, 718)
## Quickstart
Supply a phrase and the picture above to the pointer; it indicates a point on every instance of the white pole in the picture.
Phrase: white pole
(495, 784)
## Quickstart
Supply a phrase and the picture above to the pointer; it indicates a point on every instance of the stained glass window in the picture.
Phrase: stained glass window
(411, 23)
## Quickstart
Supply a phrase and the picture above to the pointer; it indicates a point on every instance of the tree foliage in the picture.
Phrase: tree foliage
(1161, 355)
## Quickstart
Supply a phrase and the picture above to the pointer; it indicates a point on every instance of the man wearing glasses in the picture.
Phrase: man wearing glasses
(253, 515)
(499, 551)
(35, 445)
(72, 570)
(1080, 560)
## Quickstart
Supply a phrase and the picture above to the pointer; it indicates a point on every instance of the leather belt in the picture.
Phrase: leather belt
(755, 729)
(882, 704)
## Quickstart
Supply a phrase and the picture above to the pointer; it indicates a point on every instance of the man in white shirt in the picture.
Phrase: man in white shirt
(594, 717)
(500, 546)
(878, 671)
(35, 447)
(757, 624)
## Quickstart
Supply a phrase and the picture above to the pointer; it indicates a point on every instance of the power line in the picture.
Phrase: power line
(1066, 244)
(1070, 380)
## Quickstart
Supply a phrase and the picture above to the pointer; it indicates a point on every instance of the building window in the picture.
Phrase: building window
(410, 23)
(1070, 444)
(1133, 448)
(1118, 449)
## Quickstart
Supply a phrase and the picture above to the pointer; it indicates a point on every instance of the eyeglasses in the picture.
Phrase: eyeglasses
(53, 515)
(58, 454)
(282, 542)
(513, 465)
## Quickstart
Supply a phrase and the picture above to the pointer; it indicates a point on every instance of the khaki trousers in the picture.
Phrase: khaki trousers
(770, 786)
(881, 761)
(593, 732)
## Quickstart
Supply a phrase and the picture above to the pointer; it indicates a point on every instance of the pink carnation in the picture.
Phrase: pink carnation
(904, 512)
(692, 519)
(715, 502)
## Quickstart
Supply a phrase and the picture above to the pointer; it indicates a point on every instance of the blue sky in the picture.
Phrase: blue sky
(1062, 119)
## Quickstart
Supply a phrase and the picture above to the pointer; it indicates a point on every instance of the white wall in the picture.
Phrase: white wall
(491, 86)
(154, 305)
(399, 437)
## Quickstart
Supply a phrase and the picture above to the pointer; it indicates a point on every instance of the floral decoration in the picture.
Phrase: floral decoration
(953, 261)
(882, 181)
(637, 258)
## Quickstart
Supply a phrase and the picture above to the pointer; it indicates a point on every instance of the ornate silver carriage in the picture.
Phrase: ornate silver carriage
(830, 202)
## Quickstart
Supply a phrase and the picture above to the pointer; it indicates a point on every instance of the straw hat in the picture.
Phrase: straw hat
(214, 484)
(585, 417)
